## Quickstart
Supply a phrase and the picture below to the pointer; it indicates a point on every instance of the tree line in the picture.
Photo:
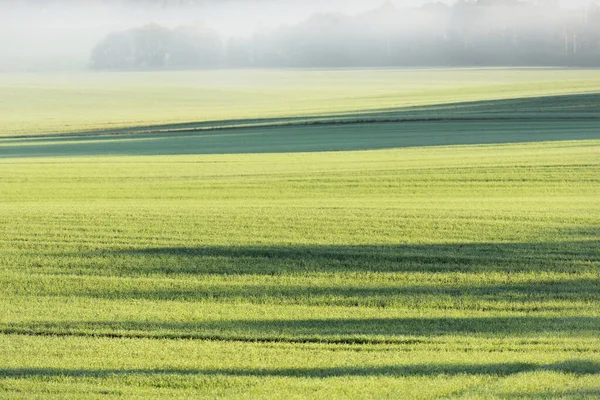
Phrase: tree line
(468, 33)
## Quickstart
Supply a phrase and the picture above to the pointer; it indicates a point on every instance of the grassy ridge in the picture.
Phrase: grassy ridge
(573, 117)
(457, 272)
(42, 104)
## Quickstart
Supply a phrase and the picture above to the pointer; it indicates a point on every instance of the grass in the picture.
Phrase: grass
(57, 103)
(218, 369)
(471, 271)
(241, 369)
(573, 117)
(453, 253)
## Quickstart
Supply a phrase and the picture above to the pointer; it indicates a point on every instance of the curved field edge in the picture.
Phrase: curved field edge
(50, 104)
(555, 108)
(557, 118)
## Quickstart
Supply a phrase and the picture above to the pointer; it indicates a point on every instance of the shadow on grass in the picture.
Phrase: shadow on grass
(544, 293)
(550, 118)
(567, 256)
(553, 107)
(341, 330)
(576, 367)
(535, 295)
(572, 394)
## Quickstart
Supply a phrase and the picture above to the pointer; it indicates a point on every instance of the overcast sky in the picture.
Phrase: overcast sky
(241, 18)
(231, 18)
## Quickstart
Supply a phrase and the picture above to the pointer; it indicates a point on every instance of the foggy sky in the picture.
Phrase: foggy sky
(60, 34)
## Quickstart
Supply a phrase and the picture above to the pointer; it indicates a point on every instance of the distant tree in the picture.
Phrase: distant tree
(155, 47)
(151, 45)
(195, 46)
(143, 48)
(467, 33)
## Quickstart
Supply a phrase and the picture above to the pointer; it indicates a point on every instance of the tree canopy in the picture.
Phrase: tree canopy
(469, 33)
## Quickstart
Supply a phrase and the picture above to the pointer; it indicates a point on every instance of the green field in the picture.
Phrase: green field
(56, 103)
(443, 250)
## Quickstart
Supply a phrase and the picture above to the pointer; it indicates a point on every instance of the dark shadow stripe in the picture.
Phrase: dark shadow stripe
(575, 367)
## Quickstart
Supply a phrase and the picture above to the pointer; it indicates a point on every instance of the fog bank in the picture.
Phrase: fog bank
(169, 34)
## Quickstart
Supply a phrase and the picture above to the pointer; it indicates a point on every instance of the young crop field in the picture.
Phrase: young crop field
(58, 103)
(450, 249)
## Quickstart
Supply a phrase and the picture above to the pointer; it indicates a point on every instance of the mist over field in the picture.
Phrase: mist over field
(188, 34)
(282, 199)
